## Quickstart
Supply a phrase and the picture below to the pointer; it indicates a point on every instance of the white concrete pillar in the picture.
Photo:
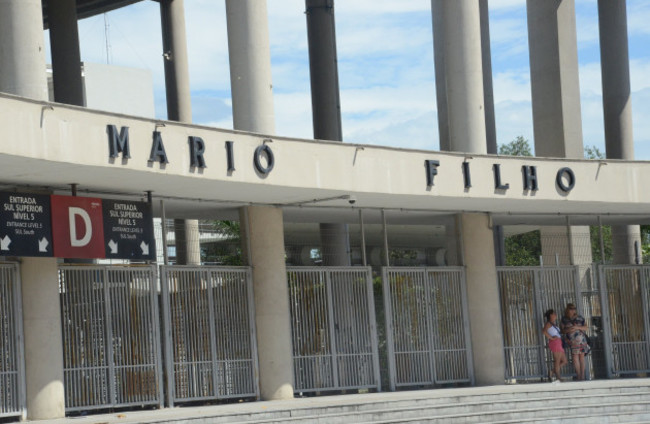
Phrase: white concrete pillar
(626, 244)
(22, 72)
(43, 339)
(250, 66)
(557, 120)
(552, 40)
(617, 109)
(66, 55)
(263, 235)
(566, 245)
(262, 227)
(464, 75)
(483, 299)
(187, 238)
(22, 49)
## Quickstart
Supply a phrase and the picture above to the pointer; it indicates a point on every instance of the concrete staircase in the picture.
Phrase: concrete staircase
(611, 401)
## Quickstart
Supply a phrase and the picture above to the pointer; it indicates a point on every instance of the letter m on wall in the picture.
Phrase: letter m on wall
(118, 142)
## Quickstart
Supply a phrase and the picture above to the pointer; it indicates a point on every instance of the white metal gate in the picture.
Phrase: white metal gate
(526, 293)
(427, 326)
(333, 328)
(12, 379)
(627, 321)
(210, 344)
(111, 336)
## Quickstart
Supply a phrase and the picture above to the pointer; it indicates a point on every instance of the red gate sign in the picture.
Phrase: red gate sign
(77, 227)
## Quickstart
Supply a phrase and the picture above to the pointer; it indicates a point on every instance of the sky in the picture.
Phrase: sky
(386, 72)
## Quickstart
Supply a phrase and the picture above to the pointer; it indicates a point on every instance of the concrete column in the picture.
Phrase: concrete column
(557, 120)
(615, 66)
(441, 80)
(188, 246)
(179, 108)
(323, 70)
(464, 75)
(261, 227)
(488, 93)
(177, 74)
(624, 238)
(566, 245)
(335, 244)
(552, 40)
(22, 49)
(250, 66)
(483, 299)
(43, 339)
(262, 232)
(22, 72)
(617, 108)
(66, 56)
(326, 110)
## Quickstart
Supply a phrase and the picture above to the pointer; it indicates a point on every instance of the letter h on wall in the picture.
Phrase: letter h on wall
(529, 174)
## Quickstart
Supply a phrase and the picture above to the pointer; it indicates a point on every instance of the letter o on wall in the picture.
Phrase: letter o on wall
(270, 160)
(569, 175)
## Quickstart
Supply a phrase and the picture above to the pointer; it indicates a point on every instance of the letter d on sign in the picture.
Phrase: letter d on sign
(73, 212)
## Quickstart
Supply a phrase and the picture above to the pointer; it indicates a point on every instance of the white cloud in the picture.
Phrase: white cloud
(385, 66)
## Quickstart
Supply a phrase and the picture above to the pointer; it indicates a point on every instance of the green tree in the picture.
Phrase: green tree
(517, 147)
(521, 249)
(593, 152)
(227, 250)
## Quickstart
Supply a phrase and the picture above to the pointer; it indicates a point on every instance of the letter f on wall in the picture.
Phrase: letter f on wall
(73, 212)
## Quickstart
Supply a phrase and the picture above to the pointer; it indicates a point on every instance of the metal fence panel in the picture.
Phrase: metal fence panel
(333, 328)
(626, 301)
(427, 326)
(210, 333)
(111, 337)
(526, 293)
(12, 379)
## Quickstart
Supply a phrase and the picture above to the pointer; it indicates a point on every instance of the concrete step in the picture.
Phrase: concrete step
(459, 409)
(463, 413)
(598, 401)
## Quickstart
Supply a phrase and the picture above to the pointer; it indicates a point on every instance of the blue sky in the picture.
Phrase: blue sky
(385, 66)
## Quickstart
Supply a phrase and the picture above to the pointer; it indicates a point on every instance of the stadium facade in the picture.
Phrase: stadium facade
(55, 152)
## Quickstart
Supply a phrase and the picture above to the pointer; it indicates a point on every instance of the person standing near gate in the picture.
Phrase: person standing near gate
(575, 331)
(552, 333)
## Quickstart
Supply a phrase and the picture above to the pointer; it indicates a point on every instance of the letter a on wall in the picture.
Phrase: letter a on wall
(77, 227)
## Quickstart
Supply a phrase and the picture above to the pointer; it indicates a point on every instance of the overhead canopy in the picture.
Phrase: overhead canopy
(208, 173)
(88, 8)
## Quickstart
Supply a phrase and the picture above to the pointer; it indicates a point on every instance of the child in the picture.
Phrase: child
(552, 333)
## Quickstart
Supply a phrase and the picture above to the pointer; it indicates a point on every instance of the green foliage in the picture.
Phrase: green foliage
(227, 251)
(595, 243)
(523, 249)
(593, 152)
(517, 147)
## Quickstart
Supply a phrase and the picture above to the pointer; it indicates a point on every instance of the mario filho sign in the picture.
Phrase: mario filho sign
(264, 161)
